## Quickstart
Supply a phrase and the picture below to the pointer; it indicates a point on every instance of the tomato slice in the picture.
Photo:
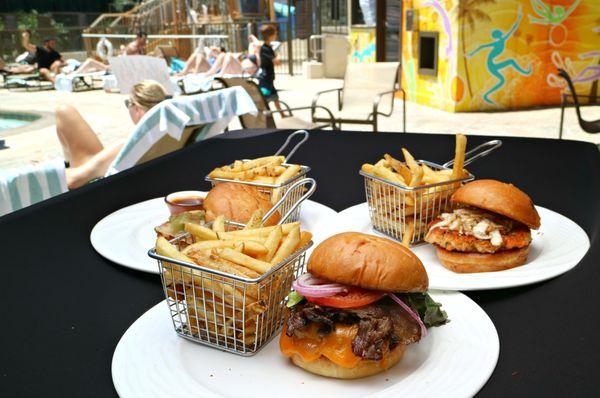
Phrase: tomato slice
(354, 297)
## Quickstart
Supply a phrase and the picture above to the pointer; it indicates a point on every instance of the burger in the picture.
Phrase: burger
(489, 230)
(362, 302)
(238, 202)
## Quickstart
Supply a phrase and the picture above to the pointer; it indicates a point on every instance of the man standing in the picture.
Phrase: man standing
(138, 46)
(49, 61)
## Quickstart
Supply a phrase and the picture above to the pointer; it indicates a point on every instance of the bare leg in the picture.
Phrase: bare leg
(231, 66)
(202, 64)
(95, 167)
(45, 73)
(91, 65)
(217, 65)
(189, 65)
(79, 141)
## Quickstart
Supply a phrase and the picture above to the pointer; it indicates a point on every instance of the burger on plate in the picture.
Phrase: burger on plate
(237, 202)
(362, 302)
(489, 230)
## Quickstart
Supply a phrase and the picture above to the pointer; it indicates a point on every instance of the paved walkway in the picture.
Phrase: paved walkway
(107, 115)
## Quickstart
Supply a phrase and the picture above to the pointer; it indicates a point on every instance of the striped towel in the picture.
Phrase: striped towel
(64, 82)
(214, 109)
(31, 184)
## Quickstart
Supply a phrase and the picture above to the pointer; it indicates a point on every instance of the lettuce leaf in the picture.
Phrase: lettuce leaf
(431, 313)
(294, 298)
(178, 220)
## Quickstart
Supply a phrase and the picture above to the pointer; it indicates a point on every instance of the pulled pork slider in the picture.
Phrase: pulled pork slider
(362, 302)
(489, 231)
(237, 202)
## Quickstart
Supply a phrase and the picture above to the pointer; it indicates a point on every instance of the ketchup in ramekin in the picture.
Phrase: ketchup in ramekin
(179, 202)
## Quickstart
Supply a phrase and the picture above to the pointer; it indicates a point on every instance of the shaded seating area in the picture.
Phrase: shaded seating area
(368, 92)
(589, 126)
(265, 118)
(167, 127)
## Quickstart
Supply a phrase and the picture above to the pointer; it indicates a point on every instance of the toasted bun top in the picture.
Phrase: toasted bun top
(237, 202)
(368, 261)
(501, 198)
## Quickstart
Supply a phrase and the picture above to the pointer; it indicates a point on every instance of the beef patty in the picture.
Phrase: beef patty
(381, 325)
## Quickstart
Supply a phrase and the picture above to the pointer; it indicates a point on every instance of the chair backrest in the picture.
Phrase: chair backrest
(249, 121)
(562, 73)
(169, 126)
(30, 184)
(363, 81)
(132, 69)
(167, 52)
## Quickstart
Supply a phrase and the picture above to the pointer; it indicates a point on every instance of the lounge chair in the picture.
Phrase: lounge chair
(167, 127)
(30, 184)
(28, 82)
(264, 118)
(368, 92)
(79, 81)
(592, 127)
(132, 69)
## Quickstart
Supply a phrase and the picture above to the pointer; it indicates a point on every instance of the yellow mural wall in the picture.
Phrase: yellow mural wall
(362, 41)
(503, 54)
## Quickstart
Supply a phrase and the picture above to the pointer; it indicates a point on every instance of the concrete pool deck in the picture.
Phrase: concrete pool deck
(107, 115)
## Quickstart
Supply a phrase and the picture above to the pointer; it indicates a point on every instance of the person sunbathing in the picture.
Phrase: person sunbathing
(16, 68)
(90, 65)
(49, 61)
(201, 60)
(87, 158)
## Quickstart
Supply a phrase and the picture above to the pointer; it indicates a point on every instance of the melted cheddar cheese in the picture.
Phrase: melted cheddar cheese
(335, 346)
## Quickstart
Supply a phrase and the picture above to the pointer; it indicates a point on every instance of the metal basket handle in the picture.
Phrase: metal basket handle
(295, 148)
(477, 152)
(307, 194)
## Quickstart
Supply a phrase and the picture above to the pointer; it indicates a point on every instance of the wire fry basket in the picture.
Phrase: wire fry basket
(225, 311)
(395, 209)
(230, 312)
(276, 191)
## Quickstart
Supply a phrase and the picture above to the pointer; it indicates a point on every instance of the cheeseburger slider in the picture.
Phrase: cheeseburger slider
(361, 303)
(237, 202)
(488, 231)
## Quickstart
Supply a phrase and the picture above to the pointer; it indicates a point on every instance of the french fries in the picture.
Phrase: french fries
(216, 304)
(266, 170)
(415, 193)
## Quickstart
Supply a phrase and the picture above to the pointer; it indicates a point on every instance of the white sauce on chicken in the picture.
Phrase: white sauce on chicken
(475, 223)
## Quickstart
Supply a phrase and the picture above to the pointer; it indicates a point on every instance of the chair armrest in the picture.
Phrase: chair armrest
(302, 108)
(317, 95)
(377, 100)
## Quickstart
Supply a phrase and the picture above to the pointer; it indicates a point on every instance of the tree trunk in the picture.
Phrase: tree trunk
(464, 53)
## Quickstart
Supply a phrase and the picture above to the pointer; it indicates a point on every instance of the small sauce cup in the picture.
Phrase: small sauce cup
(179, 202)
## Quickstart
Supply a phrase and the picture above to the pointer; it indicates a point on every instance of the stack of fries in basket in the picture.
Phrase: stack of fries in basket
(227, 307)
(266, 170)
(408, 208)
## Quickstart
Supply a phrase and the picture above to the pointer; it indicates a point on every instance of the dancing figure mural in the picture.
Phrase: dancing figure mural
(549, 14)
(497, 48)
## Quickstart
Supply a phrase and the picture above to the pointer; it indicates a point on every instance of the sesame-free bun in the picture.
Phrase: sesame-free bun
(482, 262)
(368, 261)
(501, 198)
(237, 202)
(324, 367)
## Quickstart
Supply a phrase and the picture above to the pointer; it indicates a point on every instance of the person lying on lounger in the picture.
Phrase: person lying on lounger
(87, 158)
(219, 62)
(49, 61)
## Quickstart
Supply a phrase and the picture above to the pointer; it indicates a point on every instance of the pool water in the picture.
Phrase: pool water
(13, 120)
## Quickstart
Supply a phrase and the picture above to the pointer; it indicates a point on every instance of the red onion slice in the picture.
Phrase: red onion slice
(309, 286)
(410, 311)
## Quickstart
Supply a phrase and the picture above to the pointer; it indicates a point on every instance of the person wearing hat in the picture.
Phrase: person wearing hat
(49, 61)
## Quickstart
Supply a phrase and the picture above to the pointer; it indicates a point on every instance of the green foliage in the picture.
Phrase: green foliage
(121, 5)
(27, 20)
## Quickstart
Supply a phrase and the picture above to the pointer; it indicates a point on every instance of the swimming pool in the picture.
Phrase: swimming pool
(9, 120)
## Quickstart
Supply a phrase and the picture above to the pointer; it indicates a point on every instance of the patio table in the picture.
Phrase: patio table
(64, 307)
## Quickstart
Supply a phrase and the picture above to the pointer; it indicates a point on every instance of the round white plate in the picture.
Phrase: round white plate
(454, 360)
(125, 236)
(556, 247)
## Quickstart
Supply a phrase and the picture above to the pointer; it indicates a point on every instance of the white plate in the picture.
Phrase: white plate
(454, 360)
(556, 247)
(125, 236)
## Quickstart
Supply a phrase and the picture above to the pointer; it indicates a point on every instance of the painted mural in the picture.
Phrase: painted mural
(503, 54)
(363, 45)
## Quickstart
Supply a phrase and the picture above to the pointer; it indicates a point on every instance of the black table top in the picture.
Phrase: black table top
(64, 307)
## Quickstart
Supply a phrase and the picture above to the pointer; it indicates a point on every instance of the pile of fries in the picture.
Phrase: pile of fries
(404, 212)
(233, 309)
(269, 170)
